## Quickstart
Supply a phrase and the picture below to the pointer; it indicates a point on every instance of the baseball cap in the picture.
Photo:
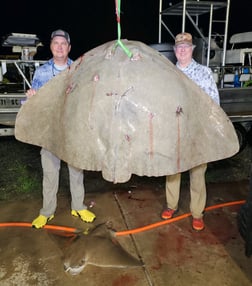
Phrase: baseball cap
(60, 33)
(183, 38)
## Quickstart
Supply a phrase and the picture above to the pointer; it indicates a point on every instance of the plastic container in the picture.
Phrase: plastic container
(237, 82)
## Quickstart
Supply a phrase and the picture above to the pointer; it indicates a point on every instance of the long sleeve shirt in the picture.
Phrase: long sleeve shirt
(203, 77)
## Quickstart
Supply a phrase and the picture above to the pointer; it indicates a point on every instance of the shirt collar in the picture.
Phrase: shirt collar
(192, 63)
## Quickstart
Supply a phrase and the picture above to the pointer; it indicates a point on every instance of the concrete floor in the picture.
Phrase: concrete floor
(172, 253)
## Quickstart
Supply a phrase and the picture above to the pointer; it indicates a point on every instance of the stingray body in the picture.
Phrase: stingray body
(125, 116)
(100, 248)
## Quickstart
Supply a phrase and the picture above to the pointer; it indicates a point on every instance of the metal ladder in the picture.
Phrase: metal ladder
(193, 10)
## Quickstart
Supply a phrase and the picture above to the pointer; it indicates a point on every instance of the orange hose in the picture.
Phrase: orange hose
(150, 226)
(47, 226)
(125, 232)
(26, 224)
(225, 205)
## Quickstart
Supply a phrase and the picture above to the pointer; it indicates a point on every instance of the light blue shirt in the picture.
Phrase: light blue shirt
(46, 72)
(203, 77)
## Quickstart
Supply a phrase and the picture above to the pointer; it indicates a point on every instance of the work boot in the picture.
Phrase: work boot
(41, 220)
(85, 215)
(198, 224)
(168, 213)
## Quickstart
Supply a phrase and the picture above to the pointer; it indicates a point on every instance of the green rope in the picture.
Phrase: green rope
(119, 42)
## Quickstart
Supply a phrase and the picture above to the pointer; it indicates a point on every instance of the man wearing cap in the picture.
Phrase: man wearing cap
(60, 47)
(202, 76)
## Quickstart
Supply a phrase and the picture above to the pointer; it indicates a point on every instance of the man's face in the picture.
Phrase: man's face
(183, 53)
(60, 47)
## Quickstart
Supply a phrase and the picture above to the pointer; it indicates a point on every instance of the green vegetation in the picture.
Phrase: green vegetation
(20, 169)
(248, 83)
(25, 181)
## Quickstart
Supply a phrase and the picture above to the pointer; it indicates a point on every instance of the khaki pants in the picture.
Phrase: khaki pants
(197, 190)
(51, 167)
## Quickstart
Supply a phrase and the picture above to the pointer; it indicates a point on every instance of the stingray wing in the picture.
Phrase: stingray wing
(99, 248)
(125, 116)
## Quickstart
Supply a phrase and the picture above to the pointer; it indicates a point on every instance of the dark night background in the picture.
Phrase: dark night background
(91, 23)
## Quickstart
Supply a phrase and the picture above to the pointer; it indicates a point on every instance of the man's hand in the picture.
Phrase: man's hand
(30, 92)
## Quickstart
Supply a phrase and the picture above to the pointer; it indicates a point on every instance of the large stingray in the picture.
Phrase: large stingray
(97, 247)
(126, 115)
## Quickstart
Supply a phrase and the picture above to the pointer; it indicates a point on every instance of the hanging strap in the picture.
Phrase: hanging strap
(119, 42)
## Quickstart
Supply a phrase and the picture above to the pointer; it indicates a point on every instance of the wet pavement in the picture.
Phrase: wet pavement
(171, 252)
